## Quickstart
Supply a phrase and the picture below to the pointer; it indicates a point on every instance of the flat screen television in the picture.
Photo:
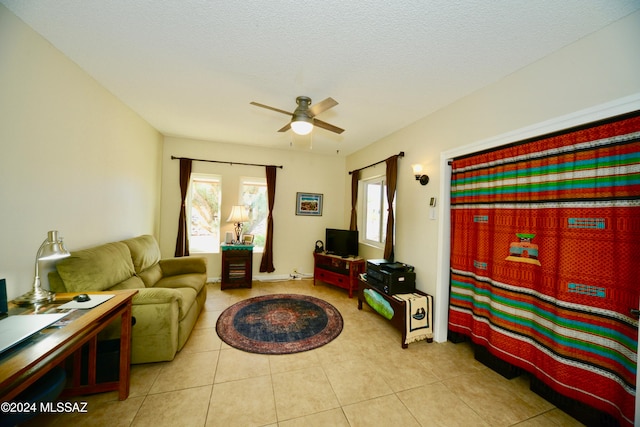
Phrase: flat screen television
(341, 242)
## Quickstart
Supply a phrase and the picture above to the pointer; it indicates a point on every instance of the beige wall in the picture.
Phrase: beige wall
(597, 69)
(73, 157)
(303, 171)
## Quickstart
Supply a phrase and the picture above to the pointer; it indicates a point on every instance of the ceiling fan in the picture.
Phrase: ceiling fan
(304, 117)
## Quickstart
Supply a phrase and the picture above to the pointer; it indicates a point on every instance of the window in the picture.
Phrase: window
(203, 213)
(253, 195)
(375, 207)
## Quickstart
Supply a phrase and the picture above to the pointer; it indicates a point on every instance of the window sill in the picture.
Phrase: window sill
(372, 244)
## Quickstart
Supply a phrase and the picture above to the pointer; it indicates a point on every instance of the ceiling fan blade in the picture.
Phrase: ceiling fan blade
(286, 127)
(257, 104)
(327, 126)
(321, 106)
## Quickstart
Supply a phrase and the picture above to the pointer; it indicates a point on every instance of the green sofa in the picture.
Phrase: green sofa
(171, 292)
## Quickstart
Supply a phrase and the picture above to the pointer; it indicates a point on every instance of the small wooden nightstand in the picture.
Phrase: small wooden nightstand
(237, 266)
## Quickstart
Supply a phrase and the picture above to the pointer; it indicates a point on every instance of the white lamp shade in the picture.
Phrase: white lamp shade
(238, 214)
(417, 169)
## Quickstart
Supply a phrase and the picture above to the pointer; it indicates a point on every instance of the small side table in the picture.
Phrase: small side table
(237, 266)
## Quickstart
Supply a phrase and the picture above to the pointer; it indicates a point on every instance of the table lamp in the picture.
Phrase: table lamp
(238, 215)
(52, 248)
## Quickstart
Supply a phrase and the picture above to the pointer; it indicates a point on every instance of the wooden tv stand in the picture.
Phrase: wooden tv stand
(338, 271)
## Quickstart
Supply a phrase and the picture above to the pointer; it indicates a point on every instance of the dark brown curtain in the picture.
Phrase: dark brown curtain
(266, 265)
(182, 241)
(355, 176)
(392, 179)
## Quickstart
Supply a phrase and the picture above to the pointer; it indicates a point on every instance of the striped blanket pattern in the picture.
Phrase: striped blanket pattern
(545, 259)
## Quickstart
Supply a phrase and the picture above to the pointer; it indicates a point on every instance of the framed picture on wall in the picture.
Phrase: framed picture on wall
(309, 204)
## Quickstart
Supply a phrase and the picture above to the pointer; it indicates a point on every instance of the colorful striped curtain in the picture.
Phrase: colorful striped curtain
(545, 259)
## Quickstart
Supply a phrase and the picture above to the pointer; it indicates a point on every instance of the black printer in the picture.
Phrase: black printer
(391, 277)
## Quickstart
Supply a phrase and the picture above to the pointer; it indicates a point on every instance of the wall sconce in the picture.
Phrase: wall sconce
(417, 171)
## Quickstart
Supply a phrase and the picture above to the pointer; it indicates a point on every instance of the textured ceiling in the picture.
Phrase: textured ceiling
(191, 67)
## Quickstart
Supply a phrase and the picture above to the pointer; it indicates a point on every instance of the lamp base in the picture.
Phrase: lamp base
(35, 296)
(238, 230)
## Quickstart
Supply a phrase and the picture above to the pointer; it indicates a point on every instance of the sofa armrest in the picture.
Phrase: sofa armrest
(184, 265)
(157, 296)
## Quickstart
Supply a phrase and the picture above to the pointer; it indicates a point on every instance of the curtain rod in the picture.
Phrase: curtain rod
(401, 154)
(220, 161)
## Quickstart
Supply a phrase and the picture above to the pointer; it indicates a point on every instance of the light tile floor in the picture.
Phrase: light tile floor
(362, 378)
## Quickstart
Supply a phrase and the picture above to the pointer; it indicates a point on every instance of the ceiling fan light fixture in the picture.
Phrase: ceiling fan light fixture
(301, 124)
(303, 118)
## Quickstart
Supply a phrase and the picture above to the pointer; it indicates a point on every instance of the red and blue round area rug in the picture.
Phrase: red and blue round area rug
(279, 324)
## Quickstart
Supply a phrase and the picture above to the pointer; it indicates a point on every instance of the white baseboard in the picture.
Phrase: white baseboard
(264, 278)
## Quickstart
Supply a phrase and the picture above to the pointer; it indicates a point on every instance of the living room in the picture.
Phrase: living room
(78, 160)
(77, 149)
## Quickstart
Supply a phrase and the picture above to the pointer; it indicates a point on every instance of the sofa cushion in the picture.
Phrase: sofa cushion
(96, 269)
(151, 275)
(145, 252)
(133, 282)
(55, 282)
